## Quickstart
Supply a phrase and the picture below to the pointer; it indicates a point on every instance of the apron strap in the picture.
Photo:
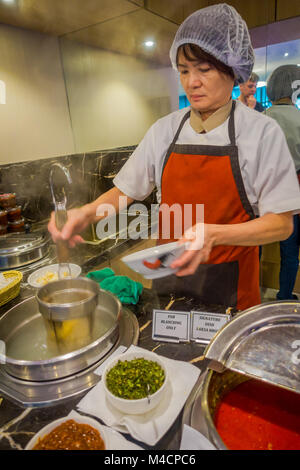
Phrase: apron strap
(231, 133)
(235, 165)
(170, 149)
(185, 118)
(231, 125)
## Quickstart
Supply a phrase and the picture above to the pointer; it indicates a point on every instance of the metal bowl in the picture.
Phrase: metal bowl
(215, 387)
(257, 343)
(68, 299)
(24, 332)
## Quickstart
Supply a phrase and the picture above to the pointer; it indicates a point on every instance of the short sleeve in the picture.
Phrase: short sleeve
(276, 184)
(136, 178)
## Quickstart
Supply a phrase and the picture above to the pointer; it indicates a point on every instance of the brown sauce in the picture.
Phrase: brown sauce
(71, 436)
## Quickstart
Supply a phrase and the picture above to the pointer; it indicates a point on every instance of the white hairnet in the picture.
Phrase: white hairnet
(279, 84)
(221, 32)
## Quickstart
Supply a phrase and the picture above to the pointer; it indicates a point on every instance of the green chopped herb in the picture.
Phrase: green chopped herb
(129, 379)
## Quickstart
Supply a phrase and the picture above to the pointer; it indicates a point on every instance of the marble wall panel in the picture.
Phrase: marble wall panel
(91, 173)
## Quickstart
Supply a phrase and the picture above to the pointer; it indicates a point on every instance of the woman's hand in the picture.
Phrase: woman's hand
(78, 220)
(201, 241)
(203, 237)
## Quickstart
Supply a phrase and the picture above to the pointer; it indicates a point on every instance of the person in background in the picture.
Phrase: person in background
(284, 111)
(218, 154)
(248, 90)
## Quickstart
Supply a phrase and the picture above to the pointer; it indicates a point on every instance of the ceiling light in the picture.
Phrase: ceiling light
(8, 1)
(286, 54)
(149, 43)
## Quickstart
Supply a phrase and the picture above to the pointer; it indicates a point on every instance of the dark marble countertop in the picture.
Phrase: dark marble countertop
(18, 425)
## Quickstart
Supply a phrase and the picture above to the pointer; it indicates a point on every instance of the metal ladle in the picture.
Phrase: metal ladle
(60, 207)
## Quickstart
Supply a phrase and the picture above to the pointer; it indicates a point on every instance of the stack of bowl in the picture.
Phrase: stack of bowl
(11, 219)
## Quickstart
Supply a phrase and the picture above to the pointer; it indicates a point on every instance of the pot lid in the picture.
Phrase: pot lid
(15, 243)
(262, 342)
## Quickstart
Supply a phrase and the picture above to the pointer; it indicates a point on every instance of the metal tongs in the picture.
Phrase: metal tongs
(60, 206)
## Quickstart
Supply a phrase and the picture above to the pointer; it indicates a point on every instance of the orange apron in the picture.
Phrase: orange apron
(211, 175)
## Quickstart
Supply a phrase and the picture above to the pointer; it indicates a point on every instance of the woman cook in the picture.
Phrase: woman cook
(218, 153)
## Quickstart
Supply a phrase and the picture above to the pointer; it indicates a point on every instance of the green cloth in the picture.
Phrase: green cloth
(127, 290)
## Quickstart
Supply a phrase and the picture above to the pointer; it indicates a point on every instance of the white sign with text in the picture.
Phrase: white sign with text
(171, 326)
(205, 325)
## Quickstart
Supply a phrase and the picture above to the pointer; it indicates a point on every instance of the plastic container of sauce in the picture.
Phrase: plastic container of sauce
(17, 226)
(3, 229)
(7, 200)
(3, 217)
(14, 213)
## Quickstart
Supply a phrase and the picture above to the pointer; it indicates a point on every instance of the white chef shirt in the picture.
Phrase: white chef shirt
(266, 164)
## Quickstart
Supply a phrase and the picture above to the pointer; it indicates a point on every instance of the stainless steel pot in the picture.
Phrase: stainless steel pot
(22, 249)
(258, 343)
(28, 357)
(212, 388)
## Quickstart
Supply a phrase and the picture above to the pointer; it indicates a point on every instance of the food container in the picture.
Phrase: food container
(142, 405)
(154, 262)
(3, 229)
(78, 419)
(22, 249)
(14, 213)
(3, 217)
(43, 276)
(17, 226)
(261, 344)
(7, 200)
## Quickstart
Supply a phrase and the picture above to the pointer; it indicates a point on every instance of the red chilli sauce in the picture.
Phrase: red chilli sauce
(258, 416)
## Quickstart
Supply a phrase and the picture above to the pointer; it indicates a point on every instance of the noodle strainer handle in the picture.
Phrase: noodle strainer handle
(62, 246)
(60, 203)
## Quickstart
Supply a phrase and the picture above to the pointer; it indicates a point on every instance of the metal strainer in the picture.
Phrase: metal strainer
(68, 307)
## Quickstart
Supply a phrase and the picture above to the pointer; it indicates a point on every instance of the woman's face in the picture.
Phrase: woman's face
(206, 88)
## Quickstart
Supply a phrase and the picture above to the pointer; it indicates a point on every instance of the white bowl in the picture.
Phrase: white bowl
(39, 277)
(78, 419)
(141, 405)
(155, 262)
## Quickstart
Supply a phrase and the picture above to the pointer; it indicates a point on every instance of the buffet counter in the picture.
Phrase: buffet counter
(18, 424)
(260, 343)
